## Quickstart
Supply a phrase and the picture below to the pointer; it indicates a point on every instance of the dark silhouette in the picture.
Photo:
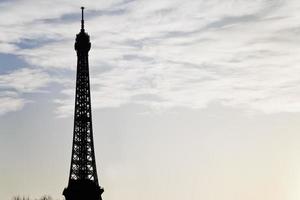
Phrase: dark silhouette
(20, 198)
(83, 180)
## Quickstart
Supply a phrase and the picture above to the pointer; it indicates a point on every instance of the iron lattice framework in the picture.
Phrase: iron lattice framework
(83, 180)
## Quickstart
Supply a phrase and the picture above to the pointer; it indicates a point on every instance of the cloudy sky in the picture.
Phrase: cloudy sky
(191, 99)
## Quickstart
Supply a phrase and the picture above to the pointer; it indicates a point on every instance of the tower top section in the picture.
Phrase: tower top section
(82, 43)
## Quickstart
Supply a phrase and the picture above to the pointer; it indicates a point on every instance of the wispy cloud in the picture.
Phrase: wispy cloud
(165, 53)
(9, 104)
(24, 80)
(18, 82)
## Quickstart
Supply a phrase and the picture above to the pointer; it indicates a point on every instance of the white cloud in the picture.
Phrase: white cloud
(169, 53)
(18, 82)
(9, 104)
(24, 80)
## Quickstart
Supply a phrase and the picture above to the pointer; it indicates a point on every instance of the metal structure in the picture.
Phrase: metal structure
(83, 180)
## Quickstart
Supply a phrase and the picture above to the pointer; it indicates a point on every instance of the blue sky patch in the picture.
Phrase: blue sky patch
(10, 62)
(33, 43)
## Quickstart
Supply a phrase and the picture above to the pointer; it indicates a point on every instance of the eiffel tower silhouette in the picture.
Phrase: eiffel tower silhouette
(83, 179)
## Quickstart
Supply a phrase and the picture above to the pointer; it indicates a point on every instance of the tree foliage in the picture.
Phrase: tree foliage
(44, 197)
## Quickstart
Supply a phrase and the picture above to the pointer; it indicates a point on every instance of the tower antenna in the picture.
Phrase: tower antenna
(82, 19)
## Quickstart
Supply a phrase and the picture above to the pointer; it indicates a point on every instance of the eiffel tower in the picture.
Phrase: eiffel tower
(83, 180)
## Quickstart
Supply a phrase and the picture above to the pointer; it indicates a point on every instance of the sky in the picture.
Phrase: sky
(191, 99)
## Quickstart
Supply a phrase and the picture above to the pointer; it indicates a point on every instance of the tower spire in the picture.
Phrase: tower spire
(82, 19)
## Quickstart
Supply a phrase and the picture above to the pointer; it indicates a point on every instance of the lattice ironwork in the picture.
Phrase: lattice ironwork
(83, 180)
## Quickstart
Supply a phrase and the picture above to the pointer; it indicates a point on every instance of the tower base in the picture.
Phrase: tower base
(83, 190)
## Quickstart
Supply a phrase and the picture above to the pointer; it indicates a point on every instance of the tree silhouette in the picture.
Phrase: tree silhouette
(44, 197)
(20, 198)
